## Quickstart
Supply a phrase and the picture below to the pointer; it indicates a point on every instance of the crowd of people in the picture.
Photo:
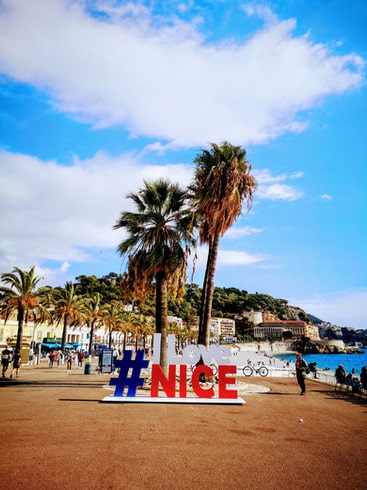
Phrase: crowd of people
(55, 357)
(356, 383)
(10, 358)
(341, 377)
(58, 357)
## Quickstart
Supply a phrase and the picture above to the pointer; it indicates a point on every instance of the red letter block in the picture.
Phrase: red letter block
(168, 385)
(201, 392)
(223, 381)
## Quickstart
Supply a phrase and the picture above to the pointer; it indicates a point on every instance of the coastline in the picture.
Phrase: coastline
(326, 362)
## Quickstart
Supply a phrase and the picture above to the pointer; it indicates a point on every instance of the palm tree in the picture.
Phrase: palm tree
(128, 320)
(112, 317)
(157, 247)
(93, 314)
(22, 298)
(69, 308)
(144, 327)
(222, 182)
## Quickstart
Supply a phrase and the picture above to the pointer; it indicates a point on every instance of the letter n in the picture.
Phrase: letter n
(168, 384)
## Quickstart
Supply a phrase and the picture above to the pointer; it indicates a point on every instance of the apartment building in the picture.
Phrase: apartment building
(276, 329)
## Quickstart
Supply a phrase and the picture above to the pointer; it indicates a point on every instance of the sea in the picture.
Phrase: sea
(352, 363)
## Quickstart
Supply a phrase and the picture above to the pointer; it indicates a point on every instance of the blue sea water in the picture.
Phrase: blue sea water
(332, 361)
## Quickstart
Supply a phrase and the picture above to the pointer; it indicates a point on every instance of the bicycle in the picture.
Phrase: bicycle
(213, 366)
(249, 371)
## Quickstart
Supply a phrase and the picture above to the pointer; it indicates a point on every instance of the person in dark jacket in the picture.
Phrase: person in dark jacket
(363, 377)
(16, 363)
(5, 360)
(301, 373)
(340, 375)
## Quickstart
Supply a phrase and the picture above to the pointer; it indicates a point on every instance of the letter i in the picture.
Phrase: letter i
(183, 383)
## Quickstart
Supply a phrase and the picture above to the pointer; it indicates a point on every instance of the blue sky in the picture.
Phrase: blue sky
(96, 96)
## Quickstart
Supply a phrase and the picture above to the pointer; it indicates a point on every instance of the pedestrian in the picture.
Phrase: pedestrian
(115, 356)
(59, 358)
(363, 377)
(51, 358)
(301, 372)
(31, 355)
(313, 369)
(5, 359)
(69, 361)
(17, 361)
(340, 375)
(80, 359)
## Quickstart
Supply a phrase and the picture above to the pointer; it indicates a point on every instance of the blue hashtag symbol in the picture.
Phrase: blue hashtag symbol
(129, 375)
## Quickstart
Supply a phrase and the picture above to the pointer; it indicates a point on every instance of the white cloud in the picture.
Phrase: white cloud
(64, 214)
(270, 186)
(326, 197)
(264, 176)
(55, 213)
(261, 11)
(237, 258)
(227, 258)
(343, 308)
(278, 192)
(165, 81)
(239, 232)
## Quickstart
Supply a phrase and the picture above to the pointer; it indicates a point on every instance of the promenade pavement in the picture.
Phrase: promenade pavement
(55, 434)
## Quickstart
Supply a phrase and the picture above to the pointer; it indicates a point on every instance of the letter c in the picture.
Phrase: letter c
(201, 392)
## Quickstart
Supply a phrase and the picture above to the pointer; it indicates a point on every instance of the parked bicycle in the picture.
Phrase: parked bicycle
(213, 366)
(250, 370)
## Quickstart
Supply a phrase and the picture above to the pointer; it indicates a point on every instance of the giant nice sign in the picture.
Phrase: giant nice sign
(163, 388)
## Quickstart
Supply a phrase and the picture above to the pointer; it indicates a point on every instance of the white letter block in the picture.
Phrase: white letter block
(191, 354)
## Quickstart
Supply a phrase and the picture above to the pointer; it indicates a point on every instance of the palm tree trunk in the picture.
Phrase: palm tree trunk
(208, 291)
(161, 316)
(64, 331)
(91, 338)
(204, 293)
(21, 314)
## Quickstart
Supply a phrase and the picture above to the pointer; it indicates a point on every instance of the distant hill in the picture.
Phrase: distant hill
(314, 320)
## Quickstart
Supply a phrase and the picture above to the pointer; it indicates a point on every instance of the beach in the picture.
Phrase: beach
(57, 433)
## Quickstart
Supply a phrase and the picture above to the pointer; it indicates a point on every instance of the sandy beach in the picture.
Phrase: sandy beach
(56, 433)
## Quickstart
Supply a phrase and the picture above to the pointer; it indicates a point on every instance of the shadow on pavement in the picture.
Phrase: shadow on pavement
(53, 384)
(347, 397)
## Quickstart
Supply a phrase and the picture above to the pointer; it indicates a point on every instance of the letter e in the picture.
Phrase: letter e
(223, 381)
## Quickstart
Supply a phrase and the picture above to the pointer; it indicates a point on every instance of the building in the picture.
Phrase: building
(276, 329)
(254, 317)
(222, 329)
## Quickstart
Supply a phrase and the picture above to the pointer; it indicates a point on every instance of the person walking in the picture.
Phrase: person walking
(59, 358)
(51, 358)
(17, 361)
(80, 359)
(5, 359)
(69, 361)
(301, 372)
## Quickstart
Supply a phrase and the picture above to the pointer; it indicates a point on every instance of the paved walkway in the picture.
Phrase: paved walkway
(55, 433)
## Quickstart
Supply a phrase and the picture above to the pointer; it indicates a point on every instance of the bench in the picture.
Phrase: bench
(351, 387)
